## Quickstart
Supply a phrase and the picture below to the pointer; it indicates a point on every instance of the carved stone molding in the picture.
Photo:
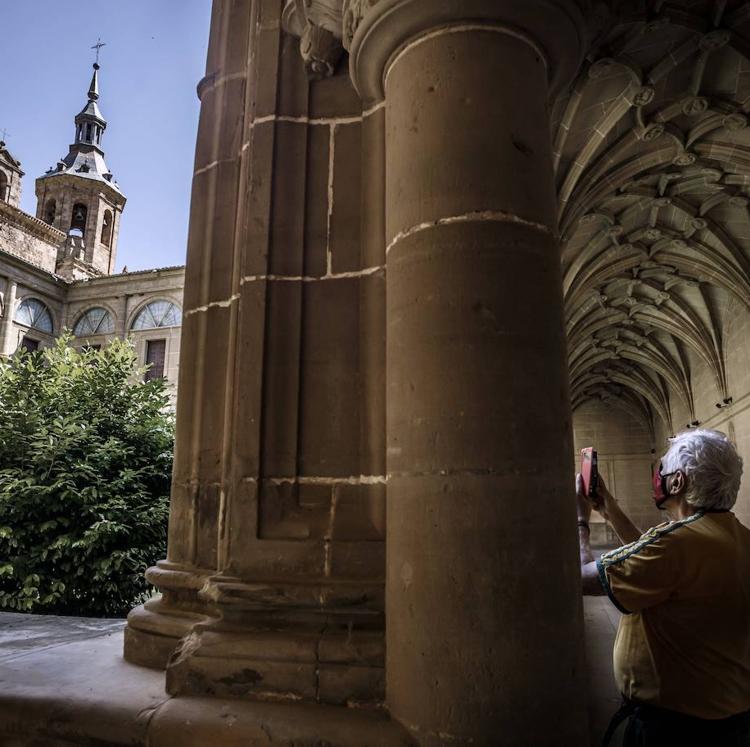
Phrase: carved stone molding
(326, 27)
(375, 30)
(353, 13)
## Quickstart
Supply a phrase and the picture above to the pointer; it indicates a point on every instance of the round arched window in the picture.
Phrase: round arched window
(158, 314)
(33, 313)
(96, 321)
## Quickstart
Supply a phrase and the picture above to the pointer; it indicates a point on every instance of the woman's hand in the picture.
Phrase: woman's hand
(583, 504)
(604, 500)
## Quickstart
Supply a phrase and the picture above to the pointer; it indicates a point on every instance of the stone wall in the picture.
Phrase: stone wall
(733, 419)
(29, 238)
(624, 444)
(124, 296)
(13, 196)
(18, 281)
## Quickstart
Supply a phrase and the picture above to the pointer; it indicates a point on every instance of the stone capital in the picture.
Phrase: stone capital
(376, 31)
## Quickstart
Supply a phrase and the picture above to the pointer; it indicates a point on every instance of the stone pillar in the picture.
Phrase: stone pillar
(7, 338)
(484, 623)
(121, 318)
(274, 583)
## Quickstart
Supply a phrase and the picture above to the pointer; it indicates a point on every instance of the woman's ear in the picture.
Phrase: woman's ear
(677, 483)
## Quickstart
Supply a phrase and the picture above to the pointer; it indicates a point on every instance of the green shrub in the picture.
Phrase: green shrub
(85, 465)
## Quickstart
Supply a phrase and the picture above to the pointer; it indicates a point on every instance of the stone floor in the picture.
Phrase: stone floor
(63, 682)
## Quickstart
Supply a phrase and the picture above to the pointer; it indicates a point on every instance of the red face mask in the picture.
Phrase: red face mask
(659, 484)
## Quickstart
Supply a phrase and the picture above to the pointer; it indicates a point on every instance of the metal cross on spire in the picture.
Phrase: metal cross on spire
(5, 134)
(99, 44)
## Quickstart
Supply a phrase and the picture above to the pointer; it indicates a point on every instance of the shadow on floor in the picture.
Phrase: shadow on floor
(600, 621)
(41, 656)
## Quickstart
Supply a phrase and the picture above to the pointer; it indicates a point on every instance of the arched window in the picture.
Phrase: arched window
(78, 221)
(4, 189)
(33, 313)
(158, 314)
(96, 321)
(50, 211)
(107, 228)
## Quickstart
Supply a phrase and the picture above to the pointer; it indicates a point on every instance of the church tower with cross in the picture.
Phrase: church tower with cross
(80, 196)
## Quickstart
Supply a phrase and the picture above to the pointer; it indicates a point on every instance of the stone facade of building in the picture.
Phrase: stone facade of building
(56, 268)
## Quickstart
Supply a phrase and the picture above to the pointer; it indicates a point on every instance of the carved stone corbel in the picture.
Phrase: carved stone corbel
(317, 23)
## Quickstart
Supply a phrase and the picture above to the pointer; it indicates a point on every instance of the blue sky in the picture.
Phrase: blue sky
(155, 56)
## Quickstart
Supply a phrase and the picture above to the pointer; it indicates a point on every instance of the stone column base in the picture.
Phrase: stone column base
(155, 629)
(320, 642)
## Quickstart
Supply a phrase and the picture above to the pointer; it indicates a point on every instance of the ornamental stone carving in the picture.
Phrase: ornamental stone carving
(353, 13)
(684, 159)
(734, 121)
(317, 23)
(320, 50)
(694, 105)
(715, 39)
(652, 131)
(643, 96)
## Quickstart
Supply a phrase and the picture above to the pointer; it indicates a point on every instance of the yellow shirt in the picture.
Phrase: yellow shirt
(684, 639)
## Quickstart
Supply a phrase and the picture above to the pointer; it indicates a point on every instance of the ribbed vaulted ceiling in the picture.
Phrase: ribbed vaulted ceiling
(652, 159)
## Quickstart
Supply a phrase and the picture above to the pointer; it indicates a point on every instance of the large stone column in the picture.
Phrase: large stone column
(484, 621)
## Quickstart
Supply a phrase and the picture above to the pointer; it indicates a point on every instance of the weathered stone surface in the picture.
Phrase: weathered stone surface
(28, 238)
(347, 198)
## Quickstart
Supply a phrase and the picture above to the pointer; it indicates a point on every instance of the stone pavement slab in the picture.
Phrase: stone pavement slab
(21, 634)
(64, 683)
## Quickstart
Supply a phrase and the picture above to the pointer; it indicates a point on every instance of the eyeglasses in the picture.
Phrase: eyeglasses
(666, 474)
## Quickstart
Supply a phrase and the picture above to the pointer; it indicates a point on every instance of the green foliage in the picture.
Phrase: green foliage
(85, 465)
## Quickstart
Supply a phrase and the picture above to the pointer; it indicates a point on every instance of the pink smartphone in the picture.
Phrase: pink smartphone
(589, 471)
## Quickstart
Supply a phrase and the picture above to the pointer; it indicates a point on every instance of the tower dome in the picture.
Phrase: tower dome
(80, 196)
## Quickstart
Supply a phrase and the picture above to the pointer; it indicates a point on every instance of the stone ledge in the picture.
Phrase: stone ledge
(72, 691)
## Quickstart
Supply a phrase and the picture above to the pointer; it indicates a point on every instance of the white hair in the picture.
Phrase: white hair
(711, 465)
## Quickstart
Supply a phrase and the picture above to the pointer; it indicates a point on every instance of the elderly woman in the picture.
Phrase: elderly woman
(682, 653)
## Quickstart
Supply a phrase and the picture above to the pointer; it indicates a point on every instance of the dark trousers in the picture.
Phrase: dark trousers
(649, 726)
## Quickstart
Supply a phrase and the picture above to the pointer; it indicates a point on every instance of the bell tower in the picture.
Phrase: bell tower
(80, 196)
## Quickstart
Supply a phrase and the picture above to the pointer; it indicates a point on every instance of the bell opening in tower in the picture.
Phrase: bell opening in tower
(78, 221)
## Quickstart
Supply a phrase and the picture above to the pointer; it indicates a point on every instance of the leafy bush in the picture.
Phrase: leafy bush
(85, 466)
